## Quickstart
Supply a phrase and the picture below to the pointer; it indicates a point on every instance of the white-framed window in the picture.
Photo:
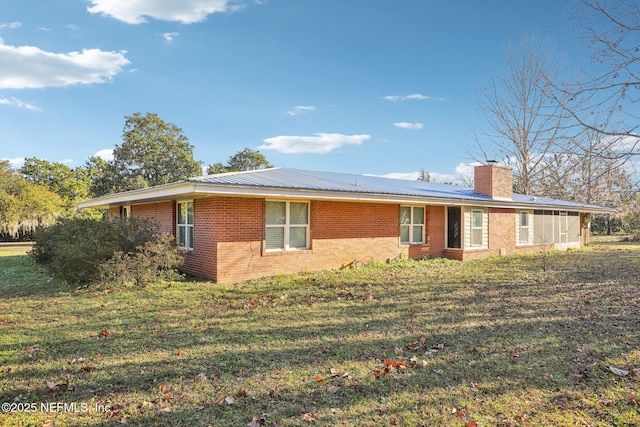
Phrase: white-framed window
(477, 228)
(184, 225)
(411, 224)
(525, 228)
(125, 211)
(286, 225)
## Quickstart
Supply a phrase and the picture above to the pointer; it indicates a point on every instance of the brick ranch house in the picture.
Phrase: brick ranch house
(242, 225)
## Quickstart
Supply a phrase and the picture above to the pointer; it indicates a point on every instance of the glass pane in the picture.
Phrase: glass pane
(405, 215)
(298, 213)
(274, 237)
(404, 234)
(418, 216)
(190, 237)
(189, 207)
(524, 219)
(476, 219)
(476, 237)
(524, 234)
(298, 237)
(182, 236)
(417, 234)
(276, 213)
(182, 213)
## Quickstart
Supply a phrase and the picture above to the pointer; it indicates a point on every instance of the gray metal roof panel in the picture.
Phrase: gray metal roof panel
(305, 180)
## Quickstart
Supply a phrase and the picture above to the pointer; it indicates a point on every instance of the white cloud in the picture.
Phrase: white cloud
(183, 11)
(106, 154)
(318, 143)
(18, 103)
(10, 25)
(29, 67)
(301, 109)
(169, 36)
(16, 162)
(413, 96)
(405, 125)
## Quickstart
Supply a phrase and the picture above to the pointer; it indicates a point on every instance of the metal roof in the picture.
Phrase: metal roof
(316, 181)
(297, 183)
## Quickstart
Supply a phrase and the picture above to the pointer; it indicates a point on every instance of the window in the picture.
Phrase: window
(287, 226)
(411, 224)
(125, 212)
(477, 228)
(184, 226)
(525, 227)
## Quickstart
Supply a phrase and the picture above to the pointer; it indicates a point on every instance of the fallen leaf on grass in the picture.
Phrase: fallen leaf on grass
(461, 414)
(166, 397)
(164, 410)
(413, 346)
(255, 422)
(229, 400)
(87, 368)
(34, 348)
(619, 372)
(104, 333)
(631, 398)
(240, 392)
(333, 389)
(319, 378)
(472, 423)
(180, 352)
(606, 402)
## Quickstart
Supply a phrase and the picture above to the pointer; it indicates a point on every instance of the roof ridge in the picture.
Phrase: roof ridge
(234, 173)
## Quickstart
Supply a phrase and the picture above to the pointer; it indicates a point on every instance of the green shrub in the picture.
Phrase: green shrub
(157, 259)
(73, 249)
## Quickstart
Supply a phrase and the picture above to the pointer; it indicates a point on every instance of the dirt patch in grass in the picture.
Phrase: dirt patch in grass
(499, 342)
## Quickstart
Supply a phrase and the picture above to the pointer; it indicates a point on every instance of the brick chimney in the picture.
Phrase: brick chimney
(493, 180)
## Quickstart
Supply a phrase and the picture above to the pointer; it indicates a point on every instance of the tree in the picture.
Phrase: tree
(24, 205)
(525, 124)
(244, 160)
(601, 100)
(423, 176)
(153, 152)
(70, 184)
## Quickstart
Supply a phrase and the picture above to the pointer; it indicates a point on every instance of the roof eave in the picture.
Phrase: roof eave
(190, 189)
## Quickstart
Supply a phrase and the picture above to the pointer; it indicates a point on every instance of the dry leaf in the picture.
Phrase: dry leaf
(398, 351)
(254, 422)
(401, 364)
(164, 410)
(230, 400)
(333, 389)
(162, 388)
(472, 423)
(166, 397)
(389, 363)
(606, 402)
(87, 368)
(460, 414)
(319, 379)
(413, 346)
(631, 398)
(180, 352)
(240, 392)
(105, 333)
(220, 399)
(620, 372)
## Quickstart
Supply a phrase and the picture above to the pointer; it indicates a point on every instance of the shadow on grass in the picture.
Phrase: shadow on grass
(501, 333)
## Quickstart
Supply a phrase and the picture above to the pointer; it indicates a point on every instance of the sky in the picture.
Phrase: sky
(384, 87)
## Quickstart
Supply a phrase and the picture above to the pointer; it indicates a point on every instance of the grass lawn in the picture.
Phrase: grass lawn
(497, 342)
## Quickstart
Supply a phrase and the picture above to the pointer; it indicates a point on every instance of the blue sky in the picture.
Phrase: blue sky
(361, 86)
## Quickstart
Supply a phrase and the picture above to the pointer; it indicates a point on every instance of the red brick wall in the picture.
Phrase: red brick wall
(161, 212)
(494, 181)
(436, 224)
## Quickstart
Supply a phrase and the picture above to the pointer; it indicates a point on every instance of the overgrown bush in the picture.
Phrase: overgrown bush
(74, 249)
(157, 259)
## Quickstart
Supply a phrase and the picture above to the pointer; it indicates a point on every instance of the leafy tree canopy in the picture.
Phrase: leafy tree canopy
(70, 184)
(24, 205)
(244, 160)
